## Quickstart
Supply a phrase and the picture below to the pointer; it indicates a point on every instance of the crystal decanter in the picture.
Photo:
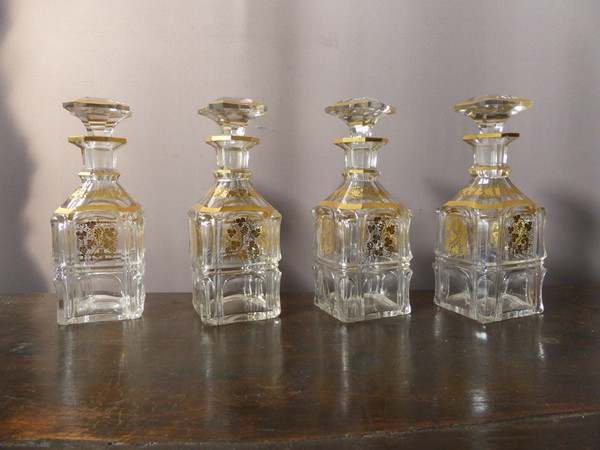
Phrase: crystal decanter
(234, 232)
(97, 234)
(489, 249)
(361, 253)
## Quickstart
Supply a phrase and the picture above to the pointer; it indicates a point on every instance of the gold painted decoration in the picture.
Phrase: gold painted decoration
(520, 234)
(357, 206)
(477, 191)
(222, 192)
(326, 235)
(350, 193)
(495, 234)
(244, 238)
(456, 234)
(477, 205)
(96, 240)
(382, 239)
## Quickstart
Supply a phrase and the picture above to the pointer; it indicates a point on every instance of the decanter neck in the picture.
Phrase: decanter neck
(232, 152)
(99, 156)
(361, 157)
(490, 153)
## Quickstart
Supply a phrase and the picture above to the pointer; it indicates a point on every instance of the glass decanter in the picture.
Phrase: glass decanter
(97, 234)
(234, 231)
(361, 252)
(489, 249)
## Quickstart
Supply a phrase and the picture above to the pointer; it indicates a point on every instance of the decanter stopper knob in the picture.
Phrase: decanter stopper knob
(490, 112)
(360, 114)
(233, 114)
(99, 115)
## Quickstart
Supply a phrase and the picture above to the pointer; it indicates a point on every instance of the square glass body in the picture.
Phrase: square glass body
(235, 258)
(489, 258)
(99, 255)
(361, 261)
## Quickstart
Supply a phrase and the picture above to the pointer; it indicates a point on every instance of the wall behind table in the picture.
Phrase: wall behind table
(166, 59)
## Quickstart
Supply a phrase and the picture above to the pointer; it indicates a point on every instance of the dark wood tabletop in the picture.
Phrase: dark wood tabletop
(431, 379)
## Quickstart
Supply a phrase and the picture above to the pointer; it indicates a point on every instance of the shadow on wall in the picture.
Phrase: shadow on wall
(18, 272)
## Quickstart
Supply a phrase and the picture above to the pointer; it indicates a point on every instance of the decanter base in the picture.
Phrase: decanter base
(107, 295)
(100, 308)
(365, 293)
(512, 307)
(221, 299)
(369, 307)
(237, 308)
(489, 293)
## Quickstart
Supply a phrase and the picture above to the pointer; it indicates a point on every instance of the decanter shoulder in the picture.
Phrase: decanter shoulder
(495, 193)
(100, 196)
(362, 196)
(234, 198)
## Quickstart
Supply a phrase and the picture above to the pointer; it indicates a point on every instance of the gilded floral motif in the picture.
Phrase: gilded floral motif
(96, 240)
(350, 193)
(479, 191)
(382, 240)
(244, 238)
(326, 236)
(355, 193)
(225, 192)
(495, 234)
(520, 234)
(456, 235)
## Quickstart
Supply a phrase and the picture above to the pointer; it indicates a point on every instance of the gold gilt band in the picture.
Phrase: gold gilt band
(471, 137)
(228, 137)
(232, 171)
(205, 209)
(477, 205)
(74, 139)
(132, 208)
(346, 140)
(339, 205)
(375, 171)
(85, 173)
(504, 169)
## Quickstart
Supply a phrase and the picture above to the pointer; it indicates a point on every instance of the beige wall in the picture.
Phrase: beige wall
(166, 59)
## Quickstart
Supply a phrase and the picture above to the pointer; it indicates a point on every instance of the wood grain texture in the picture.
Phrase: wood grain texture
(303, 380)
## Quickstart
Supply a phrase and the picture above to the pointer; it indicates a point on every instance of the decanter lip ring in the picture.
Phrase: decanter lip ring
(232, 171)
(345, 140)
(471, 137)
(228, 137)
(74, 139)
(85, 173)
(374, 171)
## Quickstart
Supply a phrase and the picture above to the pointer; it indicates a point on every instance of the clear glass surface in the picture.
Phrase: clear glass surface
(97, 234)
(234, 231)
(489, 249)
(361, 251)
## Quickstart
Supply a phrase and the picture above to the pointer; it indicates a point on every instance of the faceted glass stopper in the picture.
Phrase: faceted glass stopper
(360, 114)
(99, 115)
(490, 112)
(233, 114)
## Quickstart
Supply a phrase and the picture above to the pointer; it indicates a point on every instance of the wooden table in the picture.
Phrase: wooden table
(304, 380)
